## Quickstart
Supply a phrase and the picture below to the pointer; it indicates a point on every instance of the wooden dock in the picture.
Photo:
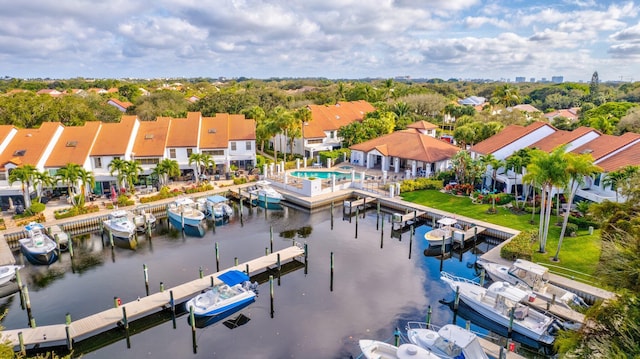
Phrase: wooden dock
(410, 216)
(559, 311)
(144, 306)
(493, 350)
(462, 237)
(6, 255)
(358, 203)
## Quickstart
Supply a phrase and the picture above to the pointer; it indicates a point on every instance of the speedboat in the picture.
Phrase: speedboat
(120, 224)
(38, 247)
(265, 194)
(184, 211)
(144, 219)
(8, 272)
(374, 349)
(445, 231)
(533, 277)
(501, 302)
(449, 342)
(216, 207)
(235, 290)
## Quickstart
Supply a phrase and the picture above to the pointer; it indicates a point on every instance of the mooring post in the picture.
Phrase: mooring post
(271, 293)
(410, 240)
(192, 319)
(271, 238)
(217, 258)
(377, 214)
(331, 215)
(553, 299)
(116, 302)
(212, 281)
(266, 205)
(172, 304)
(456, 301)
(23, 350)
(125, 322)
(396, 335)
(201, 272)
(182, 221)
(266, 251)
(145, 270)
(70, 245)
(364, 207)
(306, 252)
(235, 261)
(278, 261)
(247, 268)
(161, 286)
(69, 339)
(27, 301)
(148, 226)
(331, 279)
(357, 214)
(111, 238)
(429, 317)
(467, 325)
(511, 315)
(57, 240)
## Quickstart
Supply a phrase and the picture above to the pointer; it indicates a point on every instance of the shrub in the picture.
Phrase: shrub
(37, 207)
(3, 226)
(572, 229)
(583, 223)
(419, 184)
(124, 201)
(519, 246)
(33, 218)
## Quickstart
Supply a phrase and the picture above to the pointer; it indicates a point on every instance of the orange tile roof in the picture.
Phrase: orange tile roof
(151, 138)
(332, 117)
(123, 104)
(411, 145)
(74, 145)
(183, 132)
(627, 157)
(113, 138)
(423, 125)
(606, 145)
(508, 135)
(562, 137)
(5, 130)
(31, 140)
(216, 132)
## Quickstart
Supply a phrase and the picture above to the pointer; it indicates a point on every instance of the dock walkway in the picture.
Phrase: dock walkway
(141, 307)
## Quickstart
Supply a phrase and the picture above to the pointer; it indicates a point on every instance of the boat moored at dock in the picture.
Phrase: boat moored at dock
(38, 248)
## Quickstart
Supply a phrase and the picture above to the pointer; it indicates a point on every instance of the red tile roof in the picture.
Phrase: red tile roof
(627, 157)
(505, 137)
(113, 138)
(5, 130)
(423, 125)
(411, 145)
(33, 141)
(151, 138)
(332, 117)
(216, 132)
(183, 132)
(606, 145)
(74, 145)
(562, 137)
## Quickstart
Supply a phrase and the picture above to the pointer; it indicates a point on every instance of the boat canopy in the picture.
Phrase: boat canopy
(530, 267)
(508, 291)
(217, 199)
(446, 221)
(233, 277)
(34, 225)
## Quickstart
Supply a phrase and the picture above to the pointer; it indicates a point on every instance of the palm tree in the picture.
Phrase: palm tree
(515, 163)
(616, 178)
(490, 160)
(25, 175)
(197, 159)
(548, 170)
(578, 166)
(166, 168)
(85, 177)
(69, 175)
(118, 166)
(42, 180)
(131, 171)
(303, 115)
(278, 120)
(257, 113)
(207, 162)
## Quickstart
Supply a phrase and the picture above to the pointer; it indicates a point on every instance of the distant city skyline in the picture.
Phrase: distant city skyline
(335, 39)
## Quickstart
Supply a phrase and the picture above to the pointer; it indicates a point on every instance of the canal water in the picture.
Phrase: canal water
(380, 281)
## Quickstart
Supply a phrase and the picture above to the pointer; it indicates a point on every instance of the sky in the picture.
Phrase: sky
(335, 39)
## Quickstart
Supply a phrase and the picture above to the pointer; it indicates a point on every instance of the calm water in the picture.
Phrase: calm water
(374, 289)
(326, 174)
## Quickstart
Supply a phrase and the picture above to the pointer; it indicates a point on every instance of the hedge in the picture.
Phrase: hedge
(520, 246)
(419, 184)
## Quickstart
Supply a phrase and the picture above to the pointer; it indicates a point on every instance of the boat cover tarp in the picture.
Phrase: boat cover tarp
(233, 277)
(216, 199)
(530, 267)
(446, 221)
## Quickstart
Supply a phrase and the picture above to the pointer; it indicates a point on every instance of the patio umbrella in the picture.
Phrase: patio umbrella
(114, 195)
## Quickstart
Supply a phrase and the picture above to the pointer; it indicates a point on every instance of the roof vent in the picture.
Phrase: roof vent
(337, 117)
(148, 136)
(588, 150)
(72, 143)
(212, 130)
(20, 152)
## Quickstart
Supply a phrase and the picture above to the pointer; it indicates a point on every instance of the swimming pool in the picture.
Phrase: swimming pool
(325, 175)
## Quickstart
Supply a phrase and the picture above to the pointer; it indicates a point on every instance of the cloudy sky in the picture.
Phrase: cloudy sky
(497, 39)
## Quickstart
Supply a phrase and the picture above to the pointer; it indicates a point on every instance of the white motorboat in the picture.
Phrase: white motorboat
(499, 302)
(234, 291)
(444, 232)
(264, 193)
(119, 225)
(532, 277)
(216, 207)
(449, 342)
(184, 211)
(374, 349)
(144, 219)
(8, 272)
(39, 248)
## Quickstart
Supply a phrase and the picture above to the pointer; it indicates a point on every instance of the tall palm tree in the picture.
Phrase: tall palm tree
(548, 170)
(257, 113)
(24, 174)
(118, 166)
(43, 180)
(207, 162)
(616, 178)
(303, 116)
(165, 169)
(491, 160)
(69, 175)
(515, 163)
(279, 117)
(578, 166)
(85, 177)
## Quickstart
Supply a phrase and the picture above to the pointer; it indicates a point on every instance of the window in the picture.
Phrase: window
(3, 176)
(97, 162)
(189, 152)
(332, 134)
(233, 146)
(172, 153)
(311, 142)
(248, 145)
(148, 161)
(214, 152)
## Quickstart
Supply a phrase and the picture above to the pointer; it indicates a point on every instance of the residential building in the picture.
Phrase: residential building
(230, 140)
(149, 146)
(182, 141)
(122, 106)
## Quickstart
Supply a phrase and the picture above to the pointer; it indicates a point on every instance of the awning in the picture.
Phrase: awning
(233, 277)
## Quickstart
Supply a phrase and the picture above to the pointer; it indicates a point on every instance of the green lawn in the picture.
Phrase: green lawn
(580, 253)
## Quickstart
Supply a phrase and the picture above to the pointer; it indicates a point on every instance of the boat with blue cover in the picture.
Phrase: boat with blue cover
(216, 207)
(235, 290)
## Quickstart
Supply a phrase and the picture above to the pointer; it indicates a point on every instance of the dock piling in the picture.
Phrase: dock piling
(146, 278)
(201, 272)
(125, 323)
(331, 215)
(172, 303)
(429, 317)
(271, 293)
(192, 319)
(331, 281)
(271, 238)
(357, 215)
(69, 340)
(217, 258)
(23, 350)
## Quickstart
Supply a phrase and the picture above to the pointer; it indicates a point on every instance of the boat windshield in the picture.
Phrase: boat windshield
(448, 347)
